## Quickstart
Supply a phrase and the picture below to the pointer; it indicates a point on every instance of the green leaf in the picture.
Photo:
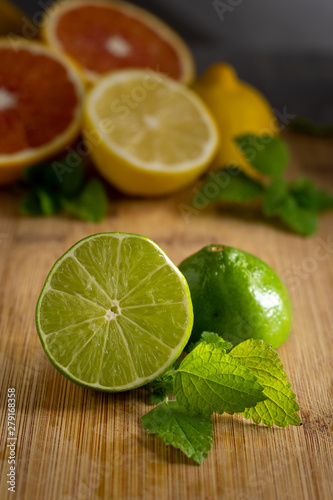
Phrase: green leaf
(91, 204)
(280, 407)
(309, 197)
(72, 181)
(279, 202)
(193, 435)
(64, 176)
(299, 219)
(266, 153)
(49, 202)
(30, 204)
(40, 175)
(211, 338)
(229, 184)
(276, 194)
(210, 381)
(40, 202)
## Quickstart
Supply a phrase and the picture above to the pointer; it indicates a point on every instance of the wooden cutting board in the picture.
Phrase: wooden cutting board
(74, 443)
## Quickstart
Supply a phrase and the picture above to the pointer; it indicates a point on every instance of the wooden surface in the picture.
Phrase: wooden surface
(79, 444)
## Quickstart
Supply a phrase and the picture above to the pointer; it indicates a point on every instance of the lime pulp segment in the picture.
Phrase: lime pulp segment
(114, 312)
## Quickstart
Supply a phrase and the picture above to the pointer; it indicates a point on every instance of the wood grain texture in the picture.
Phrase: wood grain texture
(75, 443)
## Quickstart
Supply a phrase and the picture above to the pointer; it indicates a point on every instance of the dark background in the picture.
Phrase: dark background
(285, 47)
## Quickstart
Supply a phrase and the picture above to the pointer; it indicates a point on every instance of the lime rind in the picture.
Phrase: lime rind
(150, 331)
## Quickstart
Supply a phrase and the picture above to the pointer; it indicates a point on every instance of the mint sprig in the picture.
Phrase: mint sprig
(297, 203)
(249, 379)
(60, 186)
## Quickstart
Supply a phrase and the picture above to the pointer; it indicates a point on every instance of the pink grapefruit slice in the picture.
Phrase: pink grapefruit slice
(101, 36)
(41, 98)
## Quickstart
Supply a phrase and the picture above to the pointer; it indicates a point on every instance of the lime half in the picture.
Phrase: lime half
(114, 312)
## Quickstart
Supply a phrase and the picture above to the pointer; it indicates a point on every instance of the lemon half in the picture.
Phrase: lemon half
(148, 134)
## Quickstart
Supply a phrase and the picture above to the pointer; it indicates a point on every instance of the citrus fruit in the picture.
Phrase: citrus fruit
(40, 105)
(236, 295)
(238, 109)
(102, 36)
(114, 312)
(149, 135)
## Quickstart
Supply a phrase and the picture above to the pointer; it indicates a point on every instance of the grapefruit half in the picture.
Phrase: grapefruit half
(41, 98)
(101, 36)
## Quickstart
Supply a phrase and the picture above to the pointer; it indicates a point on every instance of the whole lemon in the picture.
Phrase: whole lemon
(238, 109)
(236, 295)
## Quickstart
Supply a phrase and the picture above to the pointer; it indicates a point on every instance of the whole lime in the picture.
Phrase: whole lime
(236, 295)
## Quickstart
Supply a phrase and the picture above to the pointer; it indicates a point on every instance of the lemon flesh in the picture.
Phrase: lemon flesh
(154, 135)
(114, 312)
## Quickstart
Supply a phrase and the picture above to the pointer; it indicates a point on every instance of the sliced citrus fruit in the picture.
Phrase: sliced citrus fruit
(102, 36)
(114, 312)
(40, 105)
(149, 135)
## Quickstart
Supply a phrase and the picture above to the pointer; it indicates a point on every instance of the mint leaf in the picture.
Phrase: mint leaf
(210, 381)
(299, 219)
(280, 407)
(229, 184)
(193, 435)
(60, 184)
(211, 338)
(90, 204)
(309, 197)
(279, 202)
(72, 180)
(266, 153)
(275, 196)
(40, 202)
(49, 202)
(64, 176)
(41, 174)
(30, 205)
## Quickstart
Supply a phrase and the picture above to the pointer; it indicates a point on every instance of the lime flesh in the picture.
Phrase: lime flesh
(114, 312)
